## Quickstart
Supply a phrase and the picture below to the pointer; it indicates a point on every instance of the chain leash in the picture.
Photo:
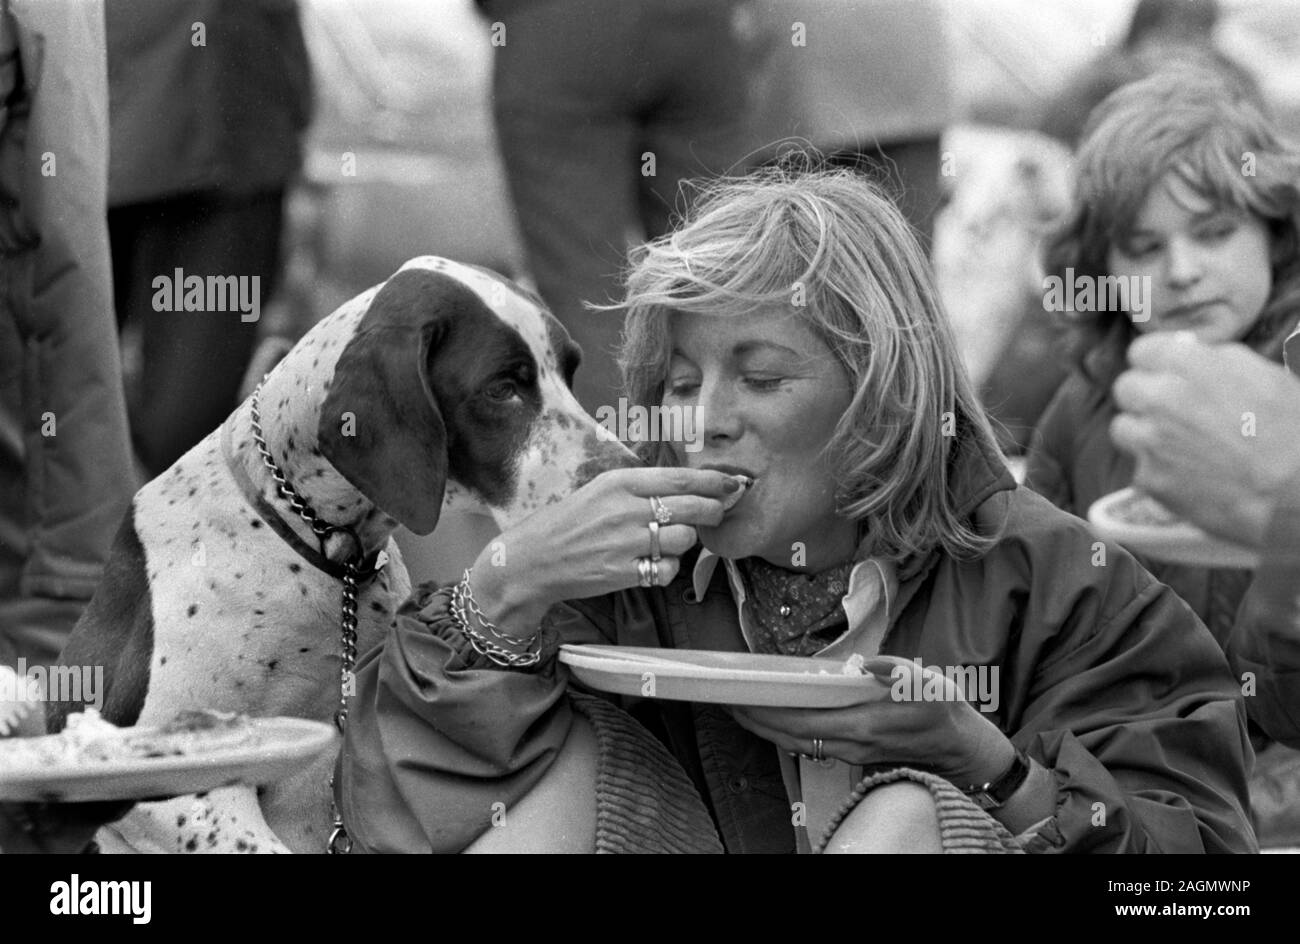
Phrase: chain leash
(339, 841)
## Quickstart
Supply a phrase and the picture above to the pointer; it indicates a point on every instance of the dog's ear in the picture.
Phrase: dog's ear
(380, 424)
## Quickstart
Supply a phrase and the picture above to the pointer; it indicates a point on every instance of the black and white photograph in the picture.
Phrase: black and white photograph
(650, 426)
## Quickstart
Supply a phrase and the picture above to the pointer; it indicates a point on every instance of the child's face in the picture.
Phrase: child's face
(1209, 266)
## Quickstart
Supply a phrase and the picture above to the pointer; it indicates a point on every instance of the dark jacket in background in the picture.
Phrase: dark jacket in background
(1266, 639)
(246, 97)
(66, 475)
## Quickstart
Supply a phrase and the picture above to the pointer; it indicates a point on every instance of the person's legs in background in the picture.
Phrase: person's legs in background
(577, 214)
(65, 472)
(32, 627)
(193, 361)
(700, 123)
(601, 109)
(562, 103)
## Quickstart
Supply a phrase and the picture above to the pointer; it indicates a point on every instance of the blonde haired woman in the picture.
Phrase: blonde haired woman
(795, 311)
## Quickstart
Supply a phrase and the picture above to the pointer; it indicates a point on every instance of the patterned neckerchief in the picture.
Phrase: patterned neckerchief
(793, 614)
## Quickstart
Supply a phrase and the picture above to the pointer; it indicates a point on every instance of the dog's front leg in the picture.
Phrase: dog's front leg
(225, 820)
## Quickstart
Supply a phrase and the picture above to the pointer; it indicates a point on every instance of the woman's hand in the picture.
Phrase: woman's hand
(950, 736)
(588, 543)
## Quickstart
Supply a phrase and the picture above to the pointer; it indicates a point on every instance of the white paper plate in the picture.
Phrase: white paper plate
(726, 678)
(284, 745)
(1180, 542)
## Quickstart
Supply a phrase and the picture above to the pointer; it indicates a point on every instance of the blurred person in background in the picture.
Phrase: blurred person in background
(1161, 33)
(66, 475)
(867, 82)
(209, 102)
(602, 110)
(1162, 203)
(1185, 193)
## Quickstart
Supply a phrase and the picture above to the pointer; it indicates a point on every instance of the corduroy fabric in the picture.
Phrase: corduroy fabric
(645, 803)
(964, 828)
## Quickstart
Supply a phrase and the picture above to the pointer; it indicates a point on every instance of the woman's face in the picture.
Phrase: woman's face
(768, 392)
(1208, 265)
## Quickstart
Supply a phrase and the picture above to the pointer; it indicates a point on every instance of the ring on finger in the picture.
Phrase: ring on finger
(818, 755)
(644, 571)
(657, 507)
(654, 541)
(654, 571)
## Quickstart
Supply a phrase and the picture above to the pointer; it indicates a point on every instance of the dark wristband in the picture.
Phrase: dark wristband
(995, 793)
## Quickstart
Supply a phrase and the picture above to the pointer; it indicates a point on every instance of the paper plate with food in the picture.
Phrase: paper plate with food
(92, 759)
(726, 678)
(1144, 526)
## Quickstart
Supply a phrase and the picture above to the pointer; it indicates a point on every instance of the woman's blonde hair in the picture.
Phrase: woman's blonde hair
(830, 246)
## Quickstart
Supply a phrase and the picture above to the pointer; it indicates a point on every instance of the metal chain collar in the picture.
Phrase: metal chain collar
(339, 842)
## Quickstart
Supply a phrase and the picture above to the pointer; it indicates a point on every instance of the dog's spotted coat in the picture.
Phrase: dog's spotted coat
(204, 605)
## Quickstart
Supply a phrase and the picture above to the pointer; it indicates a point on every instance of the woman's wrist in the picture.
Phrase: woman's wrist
(508, 603)
(991, 755)
(1032, 803)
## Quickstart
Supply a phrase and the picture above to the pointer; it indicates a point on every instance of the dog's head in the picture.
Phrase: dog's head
(458, 380)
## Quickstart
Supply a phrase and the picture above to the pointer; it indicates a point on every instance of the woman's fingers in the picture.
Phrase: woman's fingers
(800, 725)
(661, 483)
(662, 572)
(691, 509)
(788, 742)
(852, 751)
(674, 541)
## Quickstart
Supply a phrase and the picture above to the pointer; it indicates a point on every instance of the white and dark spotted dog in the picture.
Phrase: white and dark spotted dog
(445, 383)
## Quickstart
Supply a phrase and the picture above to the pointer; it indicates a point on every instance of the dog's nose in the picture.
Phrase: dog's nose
(604, 457)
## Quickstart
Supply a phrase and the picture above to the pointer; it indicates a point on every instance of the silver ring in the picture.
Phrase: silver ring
(654, 572)
(662, 515)
(818, 754)
(654, 541)
(643, 572)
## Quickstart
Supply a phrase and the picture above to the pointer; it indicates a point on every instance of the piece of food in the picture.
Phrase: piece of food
(854, 665)
(729, 501)
(89, 739)
(194, 732)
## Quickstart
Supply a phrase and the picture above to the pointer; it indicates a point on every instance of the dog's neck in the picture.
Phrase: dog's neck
(289, 407)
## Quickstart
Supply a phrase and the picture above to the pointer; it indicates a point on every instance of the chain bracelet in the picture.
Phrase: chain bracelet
(484, 646)
(471, 606)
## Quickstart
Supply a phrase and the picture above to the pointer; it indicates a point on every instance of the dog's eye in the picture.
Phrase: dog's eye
(501, 390)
